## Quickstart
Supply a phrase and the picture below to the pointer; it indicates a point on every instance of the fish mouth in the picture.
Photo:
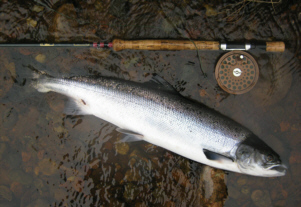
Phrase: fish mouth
(280, 169)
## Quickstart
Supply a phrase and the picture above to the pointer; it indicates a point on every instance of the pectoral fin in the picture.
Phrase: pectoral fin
(217, 157)
(130, 136)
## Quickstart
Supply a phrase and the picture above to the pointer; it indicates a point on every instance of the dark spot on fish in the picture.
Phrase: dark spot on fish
(83, 101)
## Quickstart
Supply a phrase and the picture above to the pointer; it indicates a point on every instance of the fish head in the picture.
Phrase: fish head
(254, 157)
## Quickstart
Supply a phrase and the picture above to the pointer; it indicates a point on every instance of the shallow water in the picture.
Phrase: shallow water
(48, 158)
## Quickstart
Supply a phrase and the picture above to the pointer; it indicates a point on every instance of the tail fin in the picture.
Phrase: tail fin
(39, 79)
(38, 73)
(40, 85)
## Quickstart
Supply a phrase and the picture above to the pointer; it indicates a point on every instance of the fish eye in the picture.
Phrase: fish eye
(269, 158)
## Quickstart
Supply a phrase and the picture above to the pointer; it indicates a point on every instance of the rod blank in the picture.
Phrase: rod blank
(119, 45)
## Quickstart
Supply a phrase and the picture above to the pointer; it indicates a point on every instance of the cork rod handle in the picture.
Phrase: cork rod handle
(164, 45)
(275, 46)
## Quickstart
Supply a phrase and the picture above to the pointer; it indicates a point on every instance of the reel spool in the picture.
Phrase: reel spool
(236, 72)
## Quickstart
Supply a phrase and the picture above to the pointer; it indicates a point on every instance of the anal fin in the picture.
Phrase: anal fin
(76, 107)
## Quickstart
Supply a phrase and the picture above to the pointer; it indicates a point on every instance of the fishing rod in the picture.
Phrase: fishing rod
(236, 72)
(118, 45)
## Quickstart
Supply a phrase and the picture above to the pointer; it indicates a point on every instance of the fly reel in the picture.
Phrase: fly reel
(236, 72)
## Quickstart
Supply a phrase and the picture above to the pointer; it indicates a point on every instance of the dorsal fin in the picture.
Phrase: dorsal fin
(160, 83)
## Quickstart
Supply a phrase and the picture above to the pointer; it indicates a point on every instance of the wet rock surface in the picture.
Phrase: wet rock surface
(48, 158)
(5, 193)
(261, 198)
